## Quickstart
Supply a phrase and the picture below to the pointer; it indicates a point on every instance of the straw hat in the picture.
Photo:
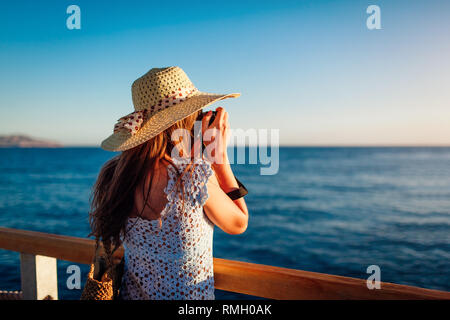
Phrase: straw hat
(161, 97)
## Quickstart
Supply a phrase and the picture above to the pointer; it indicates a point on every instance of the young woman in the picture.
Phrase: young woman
(160, 200)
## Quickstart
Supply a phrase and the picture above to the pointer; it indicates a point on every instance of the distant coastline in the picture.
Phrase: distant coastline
(26, 141)
(23, 141)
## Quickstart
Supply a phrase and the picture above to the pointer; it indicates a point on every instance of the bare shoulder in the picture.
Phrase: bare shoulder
(150, 198)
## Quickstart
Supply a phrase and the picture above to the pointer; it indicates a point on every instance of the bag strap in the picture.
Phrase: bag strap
(96, 260)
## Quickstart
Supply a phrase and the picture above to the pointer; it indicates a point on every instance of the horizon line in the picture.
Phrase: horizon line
(303, 145)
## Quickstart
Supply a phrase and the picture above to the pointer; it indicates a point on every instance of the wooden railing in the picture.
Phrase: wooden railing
(39, 252)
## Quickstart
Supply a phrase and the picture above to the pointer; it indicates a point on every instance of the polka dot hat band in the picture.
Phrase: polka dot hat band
(161, 97)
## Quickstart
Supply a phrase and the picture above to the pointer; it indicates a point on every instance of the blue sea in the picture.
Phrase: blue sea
(332, 210)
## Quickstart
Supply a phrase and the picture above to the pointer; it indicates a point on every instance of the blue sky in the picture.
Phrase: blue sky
(309, 68)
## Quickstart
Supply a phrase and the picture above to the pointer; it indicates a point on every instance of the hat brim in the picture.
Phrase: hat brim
(157, 123)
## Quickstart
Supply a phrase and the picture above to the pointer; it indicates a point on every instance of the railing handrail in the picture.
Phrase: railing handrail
(235, 276)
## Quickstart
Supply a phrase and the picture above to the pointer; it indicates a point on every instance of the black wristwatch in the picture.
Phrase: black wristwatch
(238, 193)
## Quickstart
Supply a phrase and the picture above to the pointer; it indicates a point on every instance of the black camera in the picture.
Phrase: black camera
(213, 116)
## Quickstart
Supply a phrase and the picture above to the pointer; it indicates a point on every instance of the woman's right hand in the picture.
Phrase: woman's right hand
(215, 136)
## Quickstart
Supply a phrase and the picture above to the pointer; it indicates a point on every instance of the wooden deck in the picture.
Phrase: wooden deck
(235, 276)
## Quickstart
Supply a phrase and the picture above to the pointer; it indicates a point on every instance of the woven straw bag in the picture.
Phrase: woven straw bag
(104, 278)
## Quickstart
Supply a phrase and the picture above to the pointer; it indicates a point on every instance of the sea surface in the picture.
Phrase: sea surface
(332, 210)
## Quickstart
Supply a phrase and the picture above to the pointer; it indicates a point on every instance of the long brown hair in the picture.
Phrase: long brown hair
(112, 198)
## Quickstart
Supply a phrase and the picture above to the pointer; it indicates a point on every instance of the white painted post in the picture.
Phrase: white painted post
(39, 277)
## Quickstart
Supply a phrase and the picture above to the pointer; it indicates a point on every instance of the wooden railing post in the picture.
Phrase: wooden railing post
(39, 277)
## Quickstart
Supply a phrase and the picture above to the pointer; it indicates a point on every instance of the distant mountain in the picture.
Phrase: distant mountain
(22, 141)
